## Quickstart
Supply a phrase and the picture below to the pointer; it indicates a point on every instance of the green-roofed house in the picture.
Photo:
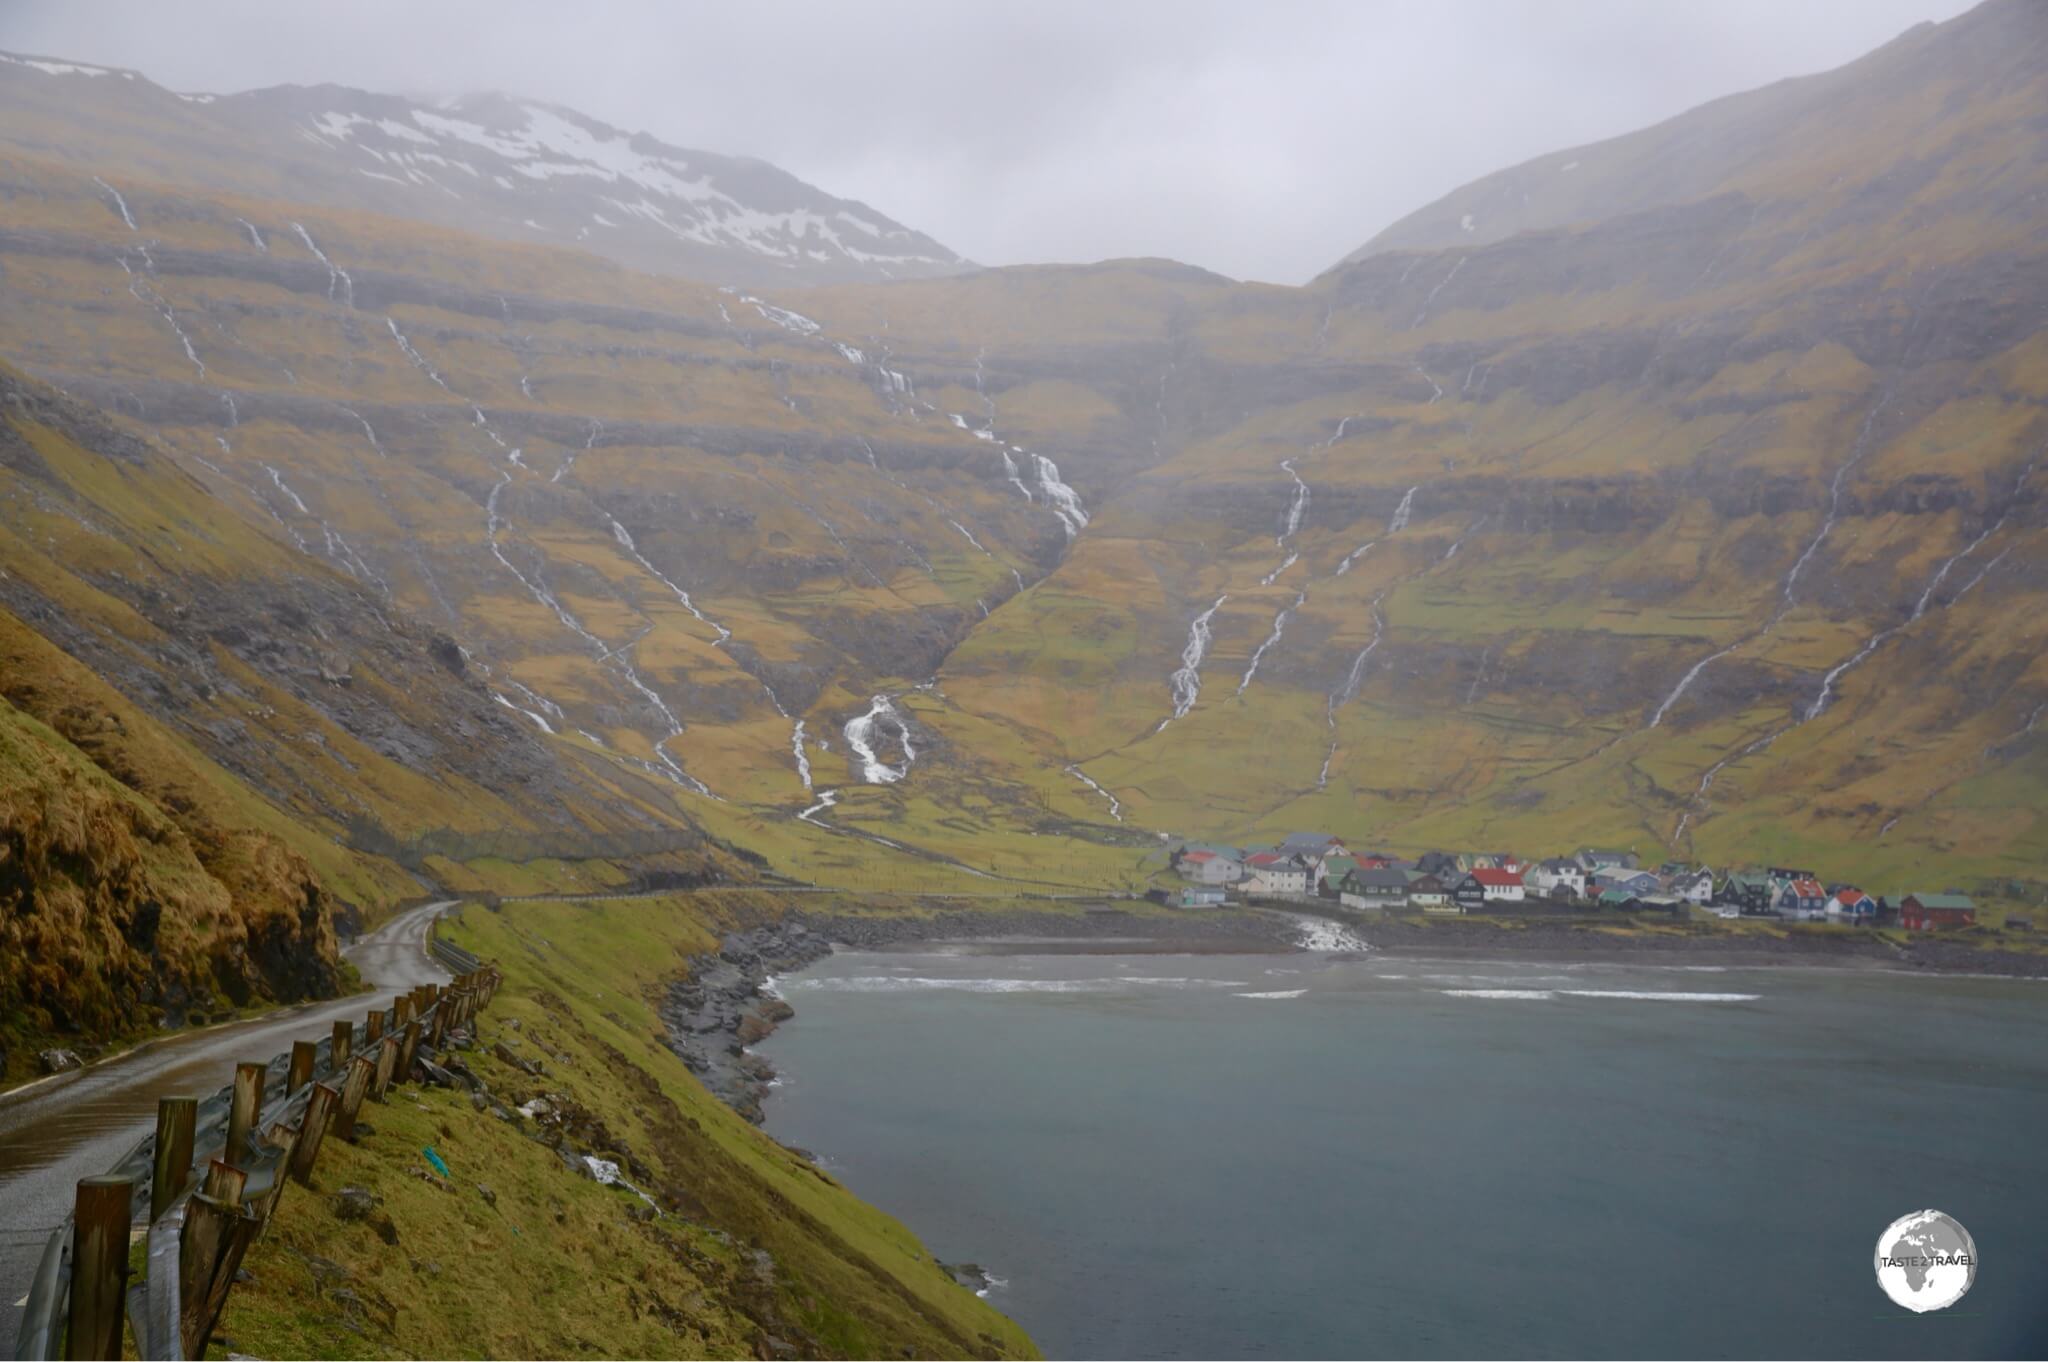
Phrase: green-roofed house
(1749, 894)
(1933, 912)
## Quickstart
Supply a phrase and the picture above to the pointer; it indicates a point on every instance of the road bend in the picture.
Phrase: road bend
(76, 1125)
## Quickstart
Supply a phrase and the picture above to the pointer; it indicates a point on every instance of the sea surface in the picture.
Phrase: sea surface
(1318, 1156)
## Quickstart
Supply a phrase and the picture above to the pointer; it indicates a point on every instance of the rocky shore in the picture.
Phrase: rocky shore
(724, 1006)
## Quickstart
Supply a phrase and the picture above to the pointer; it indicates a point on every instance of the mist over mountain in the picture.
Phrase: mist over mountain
(402, 499)
(494, 164)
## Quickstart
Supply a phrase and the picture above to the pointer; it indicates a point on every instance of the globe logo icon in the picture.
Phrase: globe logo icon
(1926, 1261)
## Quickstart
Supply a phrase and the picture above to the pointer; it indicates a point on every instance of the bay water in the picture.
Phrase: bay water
(1312, 1156)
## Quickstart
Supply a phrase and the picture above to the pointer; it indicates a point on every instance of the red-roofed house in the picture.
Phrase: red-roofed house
(1802, 899)
(1500, 885)
(1852, 905)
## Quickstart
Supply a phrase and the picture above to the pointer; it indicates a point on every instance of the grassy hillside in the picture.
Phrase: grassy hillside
(1705, 521)
(755, 1252)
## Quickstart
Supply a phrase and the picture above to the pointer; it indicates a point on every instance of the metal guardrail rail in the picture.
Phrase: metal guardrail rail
(249, 1137)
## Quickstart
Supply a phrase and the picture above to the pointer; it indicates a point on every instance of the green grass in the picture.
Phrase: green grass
(558, 1267)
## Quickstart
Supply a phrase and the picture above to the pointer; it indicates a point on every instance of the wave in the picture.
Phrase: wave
(1642, 995)
(1282, 993)
(882, 983)
(1663, 996)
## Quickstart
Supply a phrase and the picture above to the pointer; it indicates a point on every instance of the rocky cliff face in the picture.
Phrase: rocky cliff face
(132, 892)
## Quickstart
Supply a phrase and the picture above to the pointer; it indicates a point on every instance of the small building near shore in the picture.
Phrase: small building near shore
(1428, 892)
(1382, 889)
(1937, 912)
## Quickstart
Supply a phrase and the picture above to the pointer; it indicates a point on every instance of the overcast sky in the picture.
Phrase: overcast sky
(1264, 140)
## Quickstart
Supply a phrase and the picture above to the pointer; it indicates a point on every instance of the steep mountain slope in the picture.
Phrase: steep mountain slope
(505, 167)
(138, 882)
(1899, 106)
(1710, 523)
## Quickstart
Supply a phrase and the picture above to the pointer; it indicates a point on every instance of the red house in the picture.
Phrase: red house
(1933, 912)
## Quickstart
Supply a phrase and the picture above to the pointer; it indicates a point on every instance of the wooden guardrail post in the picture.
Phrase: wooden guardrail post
(401, 1009)
(243, 1107)
(312, 1129)
(99, 1267)
(373, 1028)
(406, 1049)
(442, 1012)
(176, 1122)
(353, 1089)
(387, 1064)
(209, 1252)
(344, 1044)
(304, 1053)
(224, 1183)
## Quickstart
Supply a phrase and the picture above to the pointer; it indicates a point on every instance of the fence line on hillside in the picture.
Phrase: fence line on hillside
(263, 1129)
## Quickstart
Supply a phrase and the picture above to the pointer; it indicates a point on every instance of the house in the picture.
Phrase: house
(1559, 872)
(1269, 872)
(1747, 893)
(1189, 896)
(1312, 846)
(1209, 862)
(1428, 892)
(1382, 889)
(1802, 900)
(1617, 899)
(1694, 886)
(1933, 912)
(1668, 904)
(1441, 864)
(1849, 904)
(1468, 895)
(1628, 881)
(1593, 859)
(1500, 886)
(1333, 871)
(1210, 867)
(1375, 860)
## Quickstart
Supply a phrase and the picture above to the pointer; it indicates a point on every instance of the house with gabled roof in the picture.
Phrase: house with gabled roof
(1850, 904)
(1933, 912)
(1558, 873)
(1748, 892)
(1383, 889)
(1694, 886)
(1270, 872)
(1596, 859)
(1428, 892)
(1210, 867)
(1441, 864)
(1496, 886)
(1801, 899)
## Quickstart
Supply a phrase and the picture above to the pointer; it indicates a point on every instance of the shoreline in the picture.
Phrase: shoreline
(728, 1003)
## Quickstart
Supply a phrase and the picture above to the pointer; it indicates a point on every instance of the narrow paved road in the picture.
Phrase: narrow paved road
(77, 1125)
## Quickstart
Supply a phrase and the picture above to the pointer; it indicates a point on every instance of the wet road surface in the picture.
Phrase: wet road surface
(78, 1124)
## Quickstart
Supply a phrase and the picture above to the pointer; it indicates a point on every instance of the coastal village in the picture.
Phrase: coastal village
(1322, 868)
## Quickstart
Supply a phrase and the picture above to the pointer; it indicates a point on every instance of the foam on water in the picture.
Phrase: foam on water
(1640, 995)
(1278, 993)
(882, 983)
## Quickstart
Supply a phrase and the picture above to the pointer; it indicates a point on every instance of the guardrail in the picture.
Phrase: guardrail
(251, 1137)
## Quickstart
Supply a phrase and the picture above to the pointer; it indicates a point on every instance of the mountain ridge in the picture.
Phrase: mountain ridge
(492, 163)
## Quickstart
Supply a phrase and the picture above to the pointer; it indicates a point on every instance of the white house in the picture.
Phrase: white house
(1545, 877)
(1501, 886)
(1694, 886)
(1268, 872)
(1211, 867)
